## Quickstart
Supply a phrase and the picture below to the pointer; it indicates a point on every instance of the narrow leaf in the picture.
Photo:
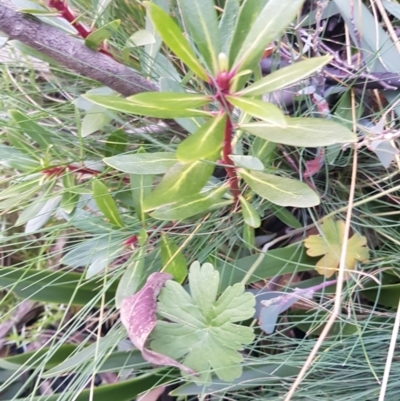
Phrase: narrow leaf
(285, 77)
(257, 108)
(307, 132)
(201, 19)
(141, 186)
(181, 181)
(97, 37)
(280, 190)
(143, 163)
(172, 259)
(131, 279)
(155, 104)
(191, 206)
(106, 203)
(116, 143)
(264, 30)
(227, 24)
(205, 142)
(250, 215)
(173, 37)
(138, 315)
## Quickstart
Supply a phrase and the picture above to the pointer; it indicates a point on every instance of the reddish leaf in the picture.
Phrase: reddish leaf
(138, 315)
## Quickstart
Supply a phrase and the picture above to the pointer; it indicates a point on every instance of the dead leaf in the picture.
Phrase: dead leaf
(138, 315)
(329, 244)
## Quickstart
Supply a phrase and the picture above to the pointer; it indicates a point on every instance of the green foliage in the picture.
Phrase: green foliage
(201, 327)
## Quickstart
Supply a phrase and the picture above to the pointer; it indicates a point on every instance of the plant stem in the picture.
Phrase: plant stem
(226, 152)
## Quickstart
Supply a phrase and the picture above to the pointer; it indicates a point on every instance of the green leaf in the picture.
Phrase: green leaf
(97, 37)
(36, 132)
(285, 216)
(201, 327)
(250, 215)
(285, 77)
(181, 181)
(191, 206)
(173, 260)
(96, 118)
(69, 201)
(106, 203)
(201, 20)
(46, 210)
(16, 159)
(205, 142)
(116, 143)
(257, 108)
(267, 27)
(174, 38)
(141, 38)
(58, 287)
(249, 11)
(307, 132)
(280, 190)
(132, 278)
(248, 237)
(155, 104)
(141, 186)
(247, 162)
(143, 163)
(227, 24)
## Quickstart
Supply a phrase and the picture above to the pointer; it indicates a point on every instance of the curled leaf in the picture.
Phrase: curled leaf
(138, 315)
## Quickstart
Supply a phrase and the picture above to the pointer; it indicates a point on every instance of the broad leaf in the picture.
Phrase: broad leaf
(329, 245)
(95, 119)
(14, 158)
(264, 30)
(307, 132)
(43, 215)
(173, 260)
(116, 143)
(201, 20)
(143, 163)
(285, 77)
(141, 186)
(97, 37)
(155, 104)
(141, 38)
(191, 206)
(257, 108)
(106, 203)
(180, 182)
(138, 315)
(250, 215)
(280, 190)
(173, 37)
(205, 142)
(201, 327)
(247, 162)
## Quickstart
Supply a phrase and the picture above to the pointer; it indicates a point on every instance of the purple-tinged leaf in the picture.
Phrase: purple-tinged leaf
(138, 315)
(270, 304)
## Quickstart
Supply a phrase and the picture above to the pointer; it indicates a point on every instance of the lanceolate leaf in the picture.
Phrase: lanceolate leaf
(250, 215)
(106, 203)
(173, 260)
(143, 163)
(227, 24)
(280, 190)
(180, 182)
(285, 77)
(155, 104)
(263, 110)
(96, 38)
(141, 186)
(249, 11)
(265, 29)
(191, 206)
(307, 132)
(201, 19)
(173, 37)
(205, 142)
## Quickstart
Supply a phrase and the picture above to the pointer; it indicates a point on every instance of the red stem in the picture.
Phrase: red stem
(226, 152)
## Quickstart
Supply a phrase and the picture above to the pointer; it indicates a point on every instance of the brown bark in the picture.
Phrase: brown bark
(70, 52)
